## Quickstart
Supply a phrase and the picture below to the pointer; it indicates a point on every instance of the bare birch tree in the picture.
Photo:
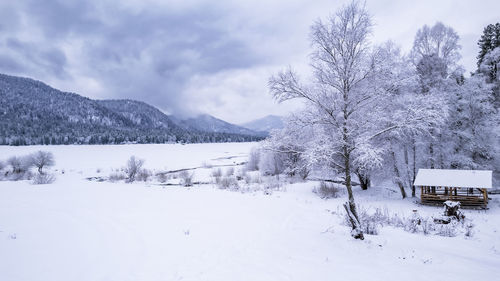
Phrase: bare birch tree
(343, 63)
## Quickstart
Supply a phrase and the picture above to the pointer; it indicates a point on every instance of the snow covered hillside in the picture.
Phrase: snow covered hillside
(79, 228)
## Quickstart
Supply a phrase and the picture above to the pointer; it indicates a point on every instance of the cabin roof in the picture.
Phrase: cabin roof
(454, 178)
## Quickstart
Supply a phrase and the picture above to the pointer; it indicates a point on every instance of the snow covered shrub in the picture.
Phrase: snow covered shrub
(217, 172)
(216, 175)
(271, 184)
(206, 164)
(143, 175)
(447, 230)
(469, 231)
(369, 227)
(253, 159)
(19, 164)
(2, 165)
(247, 178)
(133, 167)
(270, 163)
(413, 223)
(186, 178)
(369, 223)
(327, 190)
(44, 178)
(427, 226)
(117, 176)
(162, 177)
(20, 167)
(228, 182)
(230, 171)
(41, 159)
(241, 174)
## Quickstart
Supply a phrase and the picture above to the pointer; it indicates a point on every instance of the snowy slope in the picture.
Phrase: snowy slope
(75, 229)
(208, 123)
(265, 124)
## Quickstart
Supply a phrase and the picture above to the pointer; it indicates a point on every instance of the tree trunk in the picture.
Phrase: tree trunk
(356, 232)
(408, 170)
(350, 206)
(431, 154)
(398, 175)
(364, 180)
(414, 148)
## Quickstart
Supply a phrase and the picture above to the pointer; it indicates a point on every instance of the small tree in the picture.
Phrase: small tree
(42, 159)
(133, 167)
(16, 163)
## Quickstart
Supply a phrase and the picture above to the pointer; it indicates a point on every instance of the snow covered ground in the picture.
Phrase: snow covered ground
(76, 229)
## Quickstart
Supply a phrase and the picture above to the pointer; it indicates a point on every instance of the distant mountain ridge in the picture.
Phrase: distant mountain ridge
(32, 112)
(265, 124)
(208, 123)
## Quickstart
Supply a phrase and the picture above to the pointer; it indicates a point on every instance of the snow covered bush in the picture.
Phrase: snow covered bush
(271, 163)
(117, 176)
(241, 174)
(228, 182)
(271, 184)
(43, 178)
(143, 175)
(230, 171)
(253, 159)
(370, 222)
(206, 164)
(469, 231)
(186, 178)
(162, 177)
(216, 175)
(20, 168)
(327, 190)
(133, 167)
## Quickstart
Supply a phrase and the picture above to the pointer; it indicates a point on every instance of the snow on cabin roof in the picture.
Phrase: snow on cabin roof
(454, 178)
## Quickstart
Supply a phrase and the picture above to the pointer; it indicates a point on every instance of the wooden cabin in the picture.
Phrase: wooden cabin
(469, 187)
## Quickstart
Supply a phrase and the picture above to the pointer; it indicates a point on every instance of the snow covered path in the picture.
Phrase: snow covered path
(75, 229)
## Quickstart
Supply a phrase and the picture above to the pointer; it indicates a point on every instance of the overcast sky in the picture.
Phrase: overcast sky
(195, 56)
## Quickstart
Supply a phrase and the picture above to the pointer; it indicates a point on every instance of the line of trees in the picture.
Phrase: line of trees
(121, 137)
(372, 109)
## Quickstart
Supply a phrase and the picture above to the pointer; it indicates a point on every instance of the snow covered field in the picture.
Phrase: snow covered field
(76, 229)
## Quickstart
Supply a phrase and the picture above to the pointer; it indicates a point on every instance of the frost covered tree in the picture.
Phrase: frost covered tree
(490, 39)
(42, 159)
(291, 143)
(489, 67)
(133, 167)
(352, 84)
(474, 125)
(435, 54)
(343, 64)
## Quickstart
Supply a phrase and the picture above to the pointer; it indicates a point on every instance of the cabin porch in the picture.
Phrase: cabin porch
(472, 197)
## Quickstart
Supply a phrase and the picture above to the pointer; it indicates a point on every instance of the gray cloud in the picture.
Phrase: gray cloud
(190, 56)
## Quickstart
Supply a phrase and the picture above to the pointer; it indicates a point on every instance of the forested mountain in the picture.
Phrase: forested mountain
(265, 124)
(140, 113)
(32, 112)
(208, 123)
